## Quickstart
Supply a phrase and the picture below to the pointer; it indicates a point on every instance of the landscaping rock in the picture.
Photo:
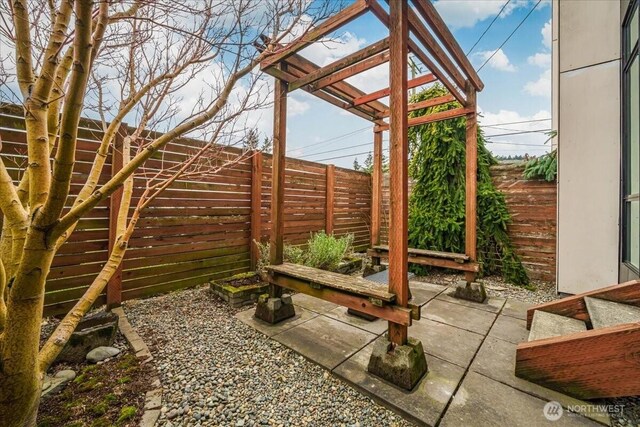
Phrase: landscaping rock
(101, 353)
(54, 384)
(95, 330)
(238, 376)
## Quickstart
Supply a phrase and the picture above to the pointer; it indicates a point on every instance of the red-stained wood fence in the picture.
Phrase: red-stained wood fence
(532, 205)
(198, 229)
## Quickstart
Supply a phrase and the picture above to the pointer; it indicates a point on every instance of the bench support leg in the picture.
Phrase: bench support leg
(274, 310)
(470, 291)
(402, 365)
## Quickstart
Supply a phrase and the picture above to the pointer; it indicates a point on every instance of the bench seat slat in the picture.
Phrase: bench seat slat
(424, 252)
(341, 282)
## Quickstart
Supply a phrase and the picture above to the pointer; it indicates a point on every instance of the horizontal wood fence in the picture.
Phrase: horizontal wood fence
(532, 205)
(198, 229)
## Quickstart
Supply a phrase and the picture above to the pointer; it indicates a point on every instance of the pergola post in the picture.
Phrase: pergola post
(468, 289)
(274, 307)
(376, 189)
(399, 360)
(398, 157)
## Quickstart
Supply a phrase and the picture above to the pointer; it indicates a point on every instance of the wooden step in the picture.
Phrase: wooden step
(605, 313)
(574, 306)
(549, 325)
(424, 252)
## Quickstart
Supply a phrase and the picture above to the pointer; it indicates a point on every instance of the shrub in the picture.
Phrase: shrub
(437, 203)
(326, 251)
(292, 254)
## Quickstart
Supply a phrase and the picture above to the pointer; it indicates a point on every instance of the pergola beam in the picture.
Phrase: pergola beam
(326, 27)
(425, 104)
(353, 70)
(341, 64)
(429, 13)
(427, 40)
(418, 81)
(434, 117)
(383, 17)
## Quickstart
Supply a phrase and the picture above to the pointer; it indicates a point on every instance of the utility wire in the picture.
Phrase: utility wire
(509, 37)
(487, 29)
(337, 149)
(336, 138)
(518, 133)
(342, 157)
(514, 123)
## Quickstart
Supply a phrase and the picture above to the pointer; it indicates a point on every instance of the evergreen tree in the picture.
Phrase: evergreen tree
(437, 203)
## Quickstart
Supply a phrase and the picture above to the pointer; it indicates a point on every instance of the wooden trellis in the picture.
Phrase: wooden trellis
(415, 28)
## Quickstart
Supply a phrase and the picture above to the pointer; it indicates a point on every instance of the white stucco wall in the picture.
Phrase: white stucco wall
(586, 79)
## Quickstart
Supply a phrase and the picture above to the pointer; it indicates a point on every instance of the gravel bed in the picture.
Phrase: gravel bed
(496, 286)
(217, 371)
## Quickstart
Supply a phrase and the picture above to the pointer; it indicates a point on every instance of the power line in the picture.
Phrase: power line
(516, 144)
(336, 138)
(487, 29)
(337, 149)
(342, 157)
(509, 37)
(519, 133)
(516, 123)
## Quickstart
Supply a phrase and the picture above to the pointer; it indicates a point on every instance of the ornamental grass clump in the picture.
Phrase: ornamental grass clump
(325, 251)
(437, 202)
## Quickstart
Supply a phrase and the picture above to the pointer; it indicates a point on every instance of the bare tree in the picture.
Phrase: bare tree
(119, 61)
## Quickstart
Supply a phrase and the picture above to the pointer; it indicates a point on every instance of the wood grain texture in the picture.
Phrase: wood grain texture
(587, 365)
(393, 313)
(330, 200)
(471, 183)
(256, 207)
(376, 191)
(574, 306)
(349, 284)
(398, 152)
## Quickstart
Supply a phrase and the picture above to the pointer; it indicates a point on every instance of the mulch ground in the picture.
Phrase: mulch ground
(107, 394)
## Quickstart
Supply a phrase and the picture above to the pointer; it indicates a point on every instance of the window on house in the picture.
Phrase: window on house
(631, 133)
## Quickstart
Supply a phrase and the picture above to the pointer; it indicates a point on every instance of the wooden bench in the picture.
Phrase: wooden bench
(348, 291)
(450, 260)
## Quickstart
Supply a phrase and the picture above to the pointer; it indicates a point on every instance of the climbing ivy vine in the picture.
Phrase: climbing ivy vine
(437, 203)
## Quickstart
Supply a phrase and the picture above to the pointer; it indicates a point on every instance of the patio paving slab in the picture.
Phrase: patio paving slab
(325, 341)
(481, 401)
(510, 329)
(493, 304)
(377, 327)
(471, 319)
(447, 342)
(422, 292)
(302, 315)
(424, 404)
(515, 308)
(496, 360)
(313, 304)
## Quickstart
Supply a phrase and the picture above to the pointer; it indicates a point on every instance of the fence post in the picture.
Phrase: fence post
(331, 184)
(114, 286)
(256, 207)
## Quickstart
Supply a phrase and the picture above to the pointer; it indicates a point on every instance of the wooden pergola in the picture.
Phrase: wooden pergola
(417, 29)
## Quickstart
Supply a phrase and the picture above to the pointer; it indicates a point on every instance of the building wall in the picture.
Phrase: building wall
(586, 92)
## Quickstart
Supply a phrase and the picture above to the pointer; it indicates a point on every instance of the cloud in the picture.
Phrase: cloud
(466, 13)
(540, 59)
(296, 107)
(499, 61)
(534, 142)
(540, 87)
(546, 34)
(328, 50)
